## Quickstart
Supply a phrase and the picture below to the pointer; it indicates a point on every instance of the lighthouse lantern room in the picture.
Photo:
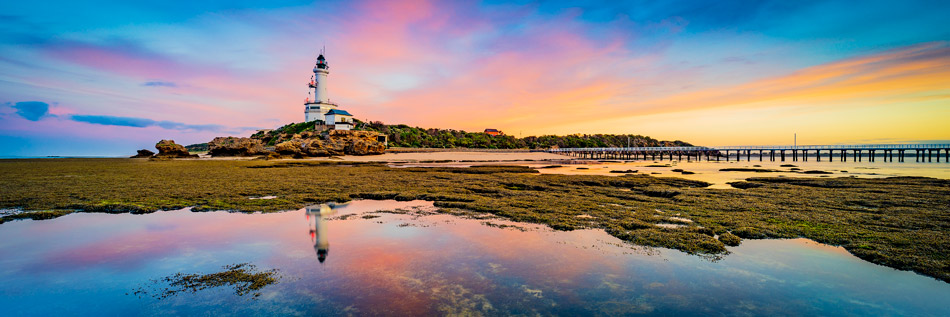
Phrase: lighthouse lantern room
(318, 103)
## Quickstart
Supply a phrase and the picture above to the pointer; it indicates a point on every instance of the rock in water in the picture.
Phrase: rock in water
(231, 146)
(144, 153)
(168, 149)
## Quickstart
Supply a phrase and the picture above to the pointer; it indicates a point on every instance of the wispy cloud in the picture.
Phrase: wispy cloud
(160, 84)
(143, 122)
(905, 74)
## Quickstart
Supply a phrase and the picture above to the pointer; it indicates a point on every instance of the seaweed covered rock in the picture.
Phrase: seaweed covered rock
(729, 239)
(143, 153)
(169, 149)
(744, 185)
(232, 146)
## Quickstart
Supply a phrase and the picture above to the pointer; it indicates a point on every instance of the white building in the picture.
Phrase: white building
(320, 108)
(318, 104)
(339, 119)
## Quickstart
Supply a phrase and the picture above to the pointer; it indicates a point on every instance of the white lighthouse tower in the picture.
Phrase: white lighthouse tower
(318, 104)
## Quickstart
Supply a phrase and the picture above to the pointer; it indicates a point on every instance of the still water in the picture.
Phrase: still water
(709, 171)
(349, 259)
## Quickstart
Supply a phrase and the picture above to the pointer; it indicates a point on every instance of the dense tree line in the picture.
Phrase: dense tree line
(405, 136)
(402, 135)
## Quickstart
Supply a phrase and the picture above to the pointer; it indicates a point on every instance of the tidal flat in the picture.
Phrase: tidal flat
(899, 222)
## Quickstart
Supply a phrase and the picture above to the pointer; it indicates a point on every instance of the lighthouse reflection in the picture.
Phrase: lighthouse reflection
(316, 219)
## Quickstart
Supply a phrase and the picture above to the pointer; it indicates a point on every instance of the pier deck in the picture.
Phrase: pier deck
(921, 152)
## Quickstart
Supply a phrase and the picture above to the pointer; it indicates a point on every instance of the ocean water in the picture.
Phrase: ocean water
(709, 171)
(350, 259)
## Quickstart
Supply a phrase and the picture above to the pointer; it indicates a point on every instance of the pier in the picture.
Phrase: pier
(857, 153)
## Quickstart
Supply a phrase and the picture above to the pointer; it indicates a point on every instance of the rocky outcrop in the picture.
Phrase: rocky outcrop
(168, 149)
(304, 148)
(358, 142)
(335, 143)
(231, 146)
(144, 153)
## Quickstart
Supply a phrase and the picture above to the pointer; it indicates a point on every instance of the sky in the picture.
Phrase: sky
(105, 78)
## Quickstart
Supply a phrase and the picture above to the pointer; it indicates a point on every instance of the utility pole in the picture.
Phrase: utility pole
(795, 139)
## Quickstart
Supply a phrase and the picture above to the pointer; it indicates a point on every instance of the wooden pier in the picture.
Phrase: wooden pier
(857, 153)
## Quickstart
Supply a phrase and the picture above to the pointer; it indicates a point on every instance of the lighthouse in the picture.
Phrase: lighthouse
(318, 231)
(318, 103)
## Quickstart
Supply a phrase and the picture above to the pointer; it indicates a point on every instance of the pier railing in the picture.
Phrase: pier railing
(763, 147)
(922, 152)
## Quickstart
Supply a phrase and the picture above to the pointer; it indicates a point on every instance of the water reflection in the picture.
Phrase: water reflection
(318, 227)
(435, 264)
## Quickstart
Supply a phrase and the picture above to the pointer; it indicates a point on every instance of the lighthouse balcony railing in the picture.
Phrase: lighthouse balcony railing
(317, 102)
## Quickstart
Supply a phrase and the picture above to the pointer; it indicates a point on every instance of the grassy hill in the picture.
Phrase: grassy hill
(401, 135)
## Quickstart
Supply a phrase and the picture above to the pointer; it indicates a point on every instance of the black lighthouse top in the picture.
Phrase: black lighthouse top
(322, 62)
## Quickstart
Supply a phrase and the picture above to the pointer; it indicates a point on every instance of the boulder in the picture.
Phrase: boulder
(336, 142)
(144, 153)
(168, 149)
(302, 148)
(357, 142)
(334, 145)
(232, 146)
(317, 147)
(293, 147)
(365, 147)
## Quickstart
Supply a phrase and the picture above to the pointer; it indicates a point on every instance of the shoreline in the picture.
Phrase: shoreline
(550, 163)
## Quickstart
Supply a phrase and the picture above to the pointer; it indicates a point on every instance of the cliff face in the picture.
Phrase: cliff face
(231, 146)
(337, 142)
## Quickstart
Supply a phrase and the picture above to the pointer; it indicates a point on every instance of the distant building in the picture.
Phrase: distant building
(339, 119)
(493, 132)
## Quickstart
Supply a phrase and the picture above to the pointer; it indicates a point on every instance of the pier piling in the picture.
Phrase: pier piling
(922, 152)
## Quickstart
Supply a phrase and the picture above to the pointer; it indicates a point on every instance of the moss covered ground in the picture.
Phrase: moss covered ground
(901, 222)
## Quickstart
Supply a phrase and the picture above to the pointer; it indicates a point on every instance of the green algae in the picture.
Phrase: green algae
(244, 278)
(729, 239)
(901, 222)
(749, 169)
